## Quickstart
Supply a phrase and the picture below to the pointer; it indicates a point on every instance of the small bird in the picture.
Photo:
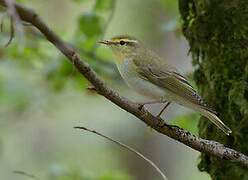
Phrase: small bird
(151, 76)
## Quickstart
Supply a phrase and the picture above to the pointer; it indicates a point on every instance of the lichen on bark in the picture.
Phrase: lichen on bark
(217, 32)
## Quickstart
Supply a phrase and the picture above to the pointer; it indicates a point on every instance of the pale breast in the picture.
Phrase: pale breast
(140, 85)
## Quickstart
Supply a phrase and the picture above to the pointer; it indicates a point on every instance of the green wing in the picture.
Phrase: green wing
(171, 81)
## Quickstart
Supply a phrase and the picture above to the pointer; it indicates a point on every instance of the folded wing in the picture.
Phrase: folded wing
(173, 82)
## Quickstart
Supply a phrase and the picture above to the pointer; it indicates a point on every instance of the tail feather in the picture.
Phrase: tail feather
(212, 117)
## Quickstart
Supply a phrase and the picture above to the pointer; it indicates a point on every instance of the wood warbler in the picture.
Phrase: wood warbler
(151, 76)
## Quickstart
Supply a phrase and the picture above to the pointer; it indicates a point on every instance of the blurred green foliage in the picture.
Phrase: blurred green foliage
(38, 54)
(170, 5)
(92, 24)
(189, 122)
(33, 73)
(58, 172)
(76, 176)
(27, 66)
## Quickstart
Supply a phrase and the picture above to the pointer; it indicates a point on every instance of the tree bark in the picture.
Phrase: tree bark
(217, 32)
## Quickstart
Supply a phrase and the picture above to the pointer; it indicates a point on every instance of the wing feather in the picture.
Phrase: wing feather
(173, 82)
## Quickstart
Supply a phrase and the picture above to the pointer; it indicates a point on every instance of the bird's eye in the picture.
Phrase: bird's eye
(122, 43)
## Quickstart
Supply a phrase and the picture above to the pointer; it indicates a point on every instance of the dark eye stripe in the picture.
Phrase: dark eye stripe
(122, 42)
(128, 43)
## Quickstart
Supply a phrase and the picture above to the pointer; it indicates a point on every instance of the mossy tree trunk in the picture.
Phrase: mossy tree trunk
(217, 32)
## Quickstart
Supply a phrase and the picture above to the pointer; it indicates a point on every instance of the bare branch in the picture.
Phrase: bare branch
(16, 19)
(26, 174)
(205, 146)
(12, 32)
(126, 147)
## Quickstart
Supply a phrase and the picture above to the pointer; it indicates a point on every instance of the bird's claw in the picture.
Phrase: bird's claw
(140, 105)
(90, 88)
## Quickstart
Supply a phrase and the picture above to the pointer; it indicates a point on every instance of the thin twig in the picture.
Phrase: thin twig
(12, 32)
(26, 174)
(126, 147)
(17, 20)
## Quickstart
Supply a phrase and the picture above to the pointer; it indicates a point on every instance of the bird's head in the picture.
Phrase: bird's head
(123, 46)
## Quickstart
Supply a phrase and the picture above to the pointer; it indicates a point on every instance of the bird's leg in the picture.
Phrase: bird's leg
(142, 104)
(163, 109)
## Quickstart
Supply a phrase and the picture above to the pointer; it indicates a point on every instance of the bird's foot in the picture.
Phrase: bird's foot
(142, 104)
(160, 113)
(90, 88)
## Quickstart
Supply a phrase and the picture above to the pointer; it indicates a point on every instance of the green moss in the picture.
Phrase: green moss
(217, 32)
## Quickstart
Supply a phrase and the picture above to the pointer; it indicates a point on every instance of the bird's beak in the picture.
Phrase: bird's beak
(106, 42)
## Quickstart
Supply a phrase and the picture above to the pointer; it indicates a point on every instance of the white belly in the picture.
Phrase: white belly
(140, 85)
